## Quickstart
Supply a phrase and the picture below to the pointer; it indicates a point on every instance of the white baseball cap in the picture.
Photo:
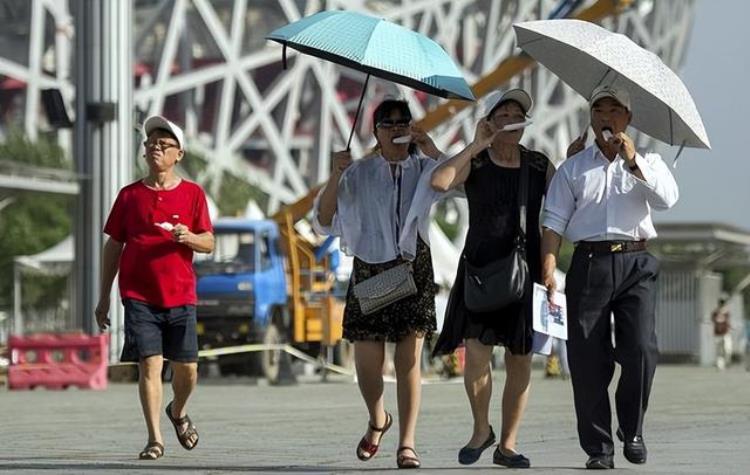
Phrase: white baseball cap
(158, 122)
(496, 98)
(617, 93)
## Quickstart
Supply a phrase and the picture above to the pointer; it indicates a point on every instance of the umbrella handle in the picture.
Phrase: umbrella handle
(356, 116)
(674, 162)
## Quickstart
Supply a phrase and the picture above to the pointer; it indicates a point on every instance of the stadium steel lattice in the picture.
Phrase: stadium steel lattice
(206, 64)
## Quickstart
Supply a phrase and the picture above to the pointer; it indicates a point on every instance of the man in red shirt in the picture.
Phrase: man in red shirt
(155, 225)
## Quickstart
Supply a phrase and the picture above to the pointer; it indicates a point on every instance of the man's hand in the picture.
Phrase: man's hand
(182, 234)
(340, 162)
(577, 145)
(424, 142)
(548, 279)
(101, 313)
(625, 147)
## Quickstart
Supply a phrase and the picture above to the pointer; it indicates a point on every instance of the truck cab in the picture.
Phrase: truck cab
(242, 285)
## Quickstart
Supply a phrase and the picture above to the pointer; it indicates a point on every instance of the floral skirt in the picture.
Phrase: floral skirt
(415, 314)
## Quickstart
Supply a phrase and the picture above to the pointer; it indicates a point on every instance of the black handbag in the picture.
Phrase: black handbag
(503, 281)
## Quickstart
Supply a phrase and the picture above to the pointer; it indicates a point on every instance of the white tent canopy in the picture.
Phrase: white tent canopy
(57, 260)
(58, 256)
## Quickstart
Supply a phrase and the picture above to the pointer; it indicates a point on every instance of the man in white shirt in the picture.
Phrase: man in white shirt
(601, 199)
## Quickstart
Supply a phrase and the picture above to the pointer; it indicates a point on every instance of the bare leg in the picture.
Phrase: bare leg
(184, 379)
(478, 384)
(150, 392)
(515, 397)
(368, 359)
(409, 387)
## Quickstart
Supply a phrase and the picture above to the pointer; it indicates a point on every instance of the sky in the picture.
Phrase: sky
(715, 184)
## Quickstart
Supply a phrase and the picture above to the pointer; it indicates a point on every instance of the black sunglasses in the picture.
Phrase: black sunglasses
(391, 123)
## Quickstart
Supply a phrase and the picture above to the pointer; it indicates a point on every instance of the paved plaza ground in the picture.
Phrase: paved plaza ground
(698, 423)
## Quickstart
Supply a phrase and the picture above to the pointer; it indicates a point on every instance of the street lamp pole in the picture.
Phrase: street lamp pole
(103, 141)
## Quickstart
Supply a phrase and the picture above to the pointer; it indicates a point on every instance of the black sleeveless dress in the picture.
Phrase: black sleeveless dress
(492, 193)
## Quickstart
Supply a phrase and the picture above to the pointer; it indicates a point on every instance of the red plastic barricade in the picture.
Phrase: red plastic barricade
(57, 361)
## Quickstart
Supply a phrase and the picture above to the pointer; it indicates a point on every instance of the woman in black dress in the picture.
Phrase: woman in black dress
(367, 203)
(489, 170)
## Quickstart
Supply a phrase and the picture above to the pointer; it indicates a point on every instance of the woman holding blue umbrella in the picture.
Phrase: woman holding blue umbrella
(367, 203)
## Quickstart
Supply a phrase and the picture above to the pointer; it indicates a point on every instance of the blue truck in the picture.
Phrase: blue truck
(266, 284)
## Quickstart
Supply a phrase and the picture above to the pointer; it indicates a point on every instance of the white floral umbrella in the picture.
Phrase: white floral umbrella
(585, 55)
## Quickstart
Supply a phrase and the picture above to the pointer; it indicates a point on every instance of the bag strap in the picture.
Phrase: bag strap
(523, 197)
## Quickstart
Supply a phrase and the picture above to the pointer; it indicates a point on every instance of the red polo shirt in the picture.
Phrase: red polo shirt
(153, 267)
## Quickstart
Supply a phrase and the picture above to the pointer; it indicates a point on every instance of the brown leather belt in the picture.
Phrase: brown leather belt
(611, 247)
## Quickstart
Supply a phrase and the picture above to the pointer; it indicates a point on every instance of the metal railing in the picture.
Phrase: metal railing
(17, 176)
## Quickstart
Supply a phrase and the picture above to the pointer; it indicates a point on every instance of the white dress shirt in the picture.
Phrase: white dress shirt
(593, 199)
(379, 214)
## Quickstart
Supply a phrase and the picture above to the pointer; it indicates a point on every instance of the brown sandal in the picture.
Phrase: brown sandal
(405, 461)
(370, 448)
(183, 437)
(152, 451)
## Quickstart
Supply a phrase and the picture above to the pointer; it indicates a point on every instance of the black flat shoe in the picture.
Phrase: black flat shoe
(514, 461)
(469, 455)
(600, 462)
(634, 449)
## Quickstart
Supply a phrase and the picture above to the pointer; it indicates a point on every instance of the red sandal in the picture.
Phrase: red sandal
(369, 448)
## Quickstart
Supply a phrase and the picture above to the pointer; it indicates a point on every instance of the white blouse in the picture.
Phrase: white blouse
(379, 214)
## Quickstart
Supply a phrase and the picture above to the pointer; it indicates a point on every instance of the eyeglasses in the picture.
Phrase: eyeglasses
(163, 145)
(392, 123)
(498, 118)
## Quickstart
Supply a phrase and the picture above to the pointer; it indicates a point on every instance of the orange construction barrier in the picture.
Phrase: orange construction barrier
(57, 361)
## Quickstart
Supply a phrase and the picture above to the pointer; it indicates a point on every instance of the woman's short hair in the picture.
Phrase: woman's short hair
(385, 108)
(384, 111)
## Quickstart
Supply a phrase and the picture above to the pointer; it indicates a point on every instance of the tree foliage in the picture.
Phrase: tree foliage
(33, 222)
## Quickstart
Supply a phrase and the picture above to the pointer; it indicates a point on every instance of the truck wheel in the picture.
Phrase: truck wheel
(275, 363)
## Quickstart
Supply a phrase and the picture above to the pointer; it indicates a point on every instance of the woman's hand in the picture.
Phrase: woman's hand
(340, 162)
(484, 135)
(425, 143)
(577, 145)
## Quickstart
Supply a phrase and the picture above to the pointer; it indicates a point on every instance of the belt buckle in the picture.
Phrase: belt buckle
(615, 247)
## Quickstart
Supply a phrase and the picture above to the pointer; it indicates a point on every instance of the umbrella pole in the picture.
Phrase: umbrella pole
(674, 162)
(356, 116)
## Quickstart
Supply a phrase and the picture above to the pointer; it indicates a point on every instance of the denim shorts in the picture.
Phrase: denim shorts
(151, 330)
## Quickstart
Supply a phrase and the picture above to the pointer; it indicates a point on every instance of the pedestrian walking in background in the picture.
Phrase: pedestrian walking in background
(720, 318)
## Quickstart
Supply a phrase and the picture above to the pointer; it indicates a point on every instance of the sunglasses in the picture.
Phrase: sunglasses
(392, 123)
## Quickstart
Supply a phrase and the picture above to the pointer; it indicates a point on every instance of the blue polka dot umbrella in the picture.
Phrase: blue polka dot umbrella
(378, 48)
